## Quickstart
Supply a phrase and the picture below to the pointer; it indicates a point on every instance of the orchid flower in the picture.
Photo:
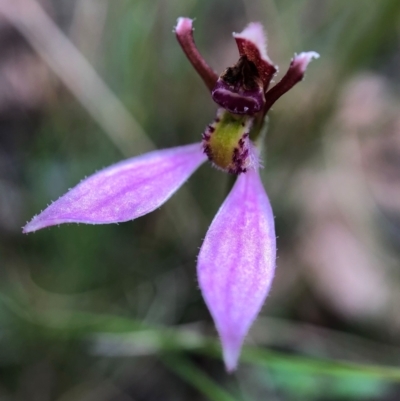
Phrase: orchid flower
(236, 263)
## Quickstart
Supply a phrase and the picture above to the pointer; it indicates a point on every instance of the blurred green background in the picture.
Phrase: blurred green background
(114, 312)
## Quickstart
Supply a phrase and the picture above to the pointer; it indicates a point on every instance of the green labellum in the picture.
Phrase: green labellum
(226, 142)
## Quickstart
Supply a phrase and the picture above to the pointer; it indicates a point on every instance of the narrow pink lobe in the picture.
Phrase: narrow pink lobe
(237, 261)
(184, 34)
(294, 74)
(123, 191)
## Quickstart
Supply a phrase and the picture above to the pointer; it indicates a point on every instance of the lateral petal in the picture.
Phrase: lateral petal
(123, 191)
(237, 261)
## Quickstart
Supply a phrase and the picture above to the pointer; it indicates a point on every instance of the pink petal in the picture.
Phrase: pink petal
(252, 42)
(237, 261)
(123, 191)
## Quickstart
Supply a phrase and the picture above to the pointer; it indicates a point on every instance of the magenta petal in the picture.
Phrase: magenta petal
(237, 261)
(123, 191)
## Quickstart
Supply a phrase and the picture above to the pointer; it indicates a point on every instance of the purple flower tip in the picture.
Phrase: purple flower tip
(236, 263)
(231, 352)
(124, 191)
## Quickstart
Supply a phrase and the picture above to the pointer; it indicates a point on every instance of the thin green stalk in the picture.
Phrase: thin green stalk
(188, 372)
